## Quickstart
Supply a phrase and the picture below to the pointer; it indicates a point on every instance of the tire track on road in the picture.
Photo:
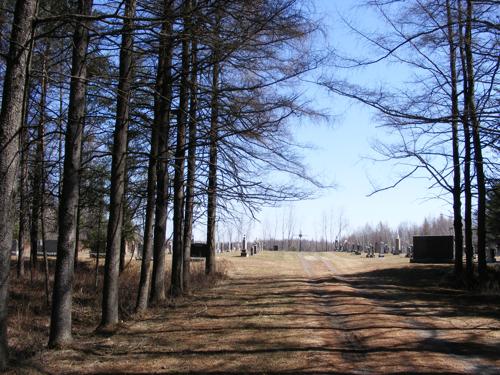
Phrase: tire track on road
(355, 350)
(421, 329)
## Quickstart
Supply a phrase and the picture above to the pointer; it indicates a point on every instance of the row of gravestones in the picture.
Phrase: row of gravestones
(246, 250)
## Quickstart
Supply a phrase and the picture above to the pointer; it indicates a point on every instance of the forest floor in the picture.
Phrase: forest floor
(284, 312)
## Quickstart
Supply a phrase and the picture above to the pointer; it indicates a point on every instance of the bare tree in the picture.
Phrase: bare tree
(60, 322)
(118, 175)
(213, 137)
(165, 103)
(191, 165)
(10, 125)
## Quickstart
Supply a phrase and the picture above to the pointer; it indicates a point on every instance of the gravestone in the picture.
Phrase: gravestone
(432, 249)
(383, 249)
(397, 250)
(371, 251)
(50, 247)
(490, 255)
(199, 250)
(244, 247)
(409, 251)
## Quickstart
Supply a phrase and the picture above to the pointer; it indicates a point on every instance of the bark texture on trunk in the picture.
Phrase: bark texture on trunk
(147, 251)
(457, 187)
(109, 317)
(38, 170)
(177, 280)
(23, 184)
(163, 124)
(191, 164)
(476, 140)
(60, 322)
(469, 252)
(212, 167)
(10, 124)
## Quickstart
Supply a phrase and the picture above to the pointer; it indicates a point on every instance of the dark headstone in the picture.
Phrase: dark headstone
(244, 247)
(432, 249)
(490, 258)
(50, 247)
(199, 250)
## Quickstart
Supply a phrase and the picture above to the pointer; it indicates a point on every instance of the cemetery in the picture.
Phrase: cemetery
(249, 187)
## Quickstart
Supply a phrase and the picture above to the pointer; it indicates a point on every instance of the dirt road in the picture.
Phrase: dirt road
(303, 313)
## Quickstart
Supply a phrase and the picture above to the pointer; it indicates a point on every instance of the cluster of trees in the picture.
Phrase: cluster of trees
(445, 118)
(116, 112)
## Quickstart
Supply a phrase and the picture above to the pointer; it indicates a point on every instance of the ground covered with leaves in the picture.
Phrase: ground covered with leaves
(289, 312)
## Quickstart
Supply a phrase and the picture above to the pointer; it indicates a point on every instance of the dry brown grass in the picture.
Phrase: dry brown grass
(299, 313)
(29, 314)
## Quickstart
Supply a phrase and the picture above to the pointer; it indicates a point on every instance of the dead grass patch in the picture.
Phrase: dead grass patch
(29, 315)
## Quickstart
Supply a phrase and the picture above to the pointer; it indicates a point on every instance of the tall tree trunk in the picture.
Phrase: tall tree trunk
(123, 239)
(23, 175)
(191, 165)
(40, 164)
(126, 214)
(147, 249)
(60, 322)
(110, 303)
(478, 154)
(147, 252)
(457, 187)
(78, 228)
(10, 125)
(212, 167)
(177, 281)
(163, 124)
(37, 175)
(469, 252)
(99, 243)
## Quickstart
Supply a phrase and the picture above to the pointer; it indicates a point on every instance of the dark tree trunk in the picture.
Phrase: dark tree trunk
(457, 187)
(60, 322)
(478, 155)
(191, 165)
(23, 175)
(469, 252)
(10, 124)
(110, 303)
(123, 244)
(40, 164)
(147, 251)
(177, 280)
(77, 234)
(212, 167)
(98, 247)
(123, 239)
(163, 124)
(38, 169)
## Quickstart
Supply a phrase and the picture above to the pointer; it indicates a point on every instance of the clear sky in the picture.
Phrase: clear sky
(342, 151)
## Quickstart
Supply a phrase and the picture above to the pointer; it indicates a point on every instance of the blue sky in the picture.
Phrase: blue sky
(342, 151)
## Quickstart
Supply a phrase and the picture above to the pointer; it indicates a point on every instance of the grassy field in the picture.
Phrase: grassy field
(290, 312)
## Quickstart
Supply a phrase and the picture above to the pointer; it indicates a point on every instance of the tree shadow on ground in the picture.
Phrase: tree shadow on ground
(353, 309)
